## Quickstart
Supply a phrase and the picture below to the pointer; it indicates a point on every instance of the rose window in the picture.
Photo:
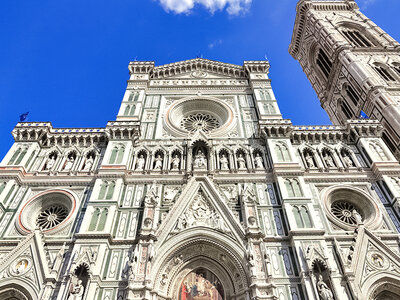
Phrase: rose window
(344, 211)
(50, 210)
(199, 121)
(51, 217)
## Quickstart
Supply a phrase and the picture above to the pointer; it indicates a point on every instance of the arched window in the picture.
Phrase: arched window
(106, 190)
(265, 95)
(293, 188)
(302, 216)
(117, 154)
(18, 156)
(384, 72)
(103, 219)
(282, 152)
(352, 95)
(95, 219)
(396, 66)
(324, 63)
(356, 38)
(378, 151)
(133, 97)
(346, 110)
(2, 186)
(269, 108)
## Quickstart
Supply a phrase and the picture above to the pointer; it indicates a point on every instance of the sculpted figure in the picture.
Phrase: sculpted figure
(224, 162)
(309, 161)
(200, 160)
(323, 289)
(347, 161)
(241, 162)
(50, 162)
(140, 163)
(88, 164)
(355, 214)
(69, 163)
(76, 290)
(258, 161)
(328, 160)
(158, 164)
(175, 162)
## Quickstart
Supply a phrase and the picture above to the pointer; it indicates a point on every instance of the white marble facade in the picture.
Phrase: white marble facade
(200, 178)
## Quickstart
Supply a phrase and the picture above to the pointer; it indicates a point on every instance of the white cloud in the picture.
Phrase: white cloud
(233, 7)
(366, 3)
(214, 44)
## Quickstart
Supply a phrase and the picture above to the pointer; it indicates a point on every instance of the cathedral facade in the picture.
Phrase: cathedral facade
(200, 189)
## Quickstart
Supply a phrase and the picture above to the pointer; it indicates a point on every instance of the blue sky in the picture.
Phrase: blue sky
(66, 61)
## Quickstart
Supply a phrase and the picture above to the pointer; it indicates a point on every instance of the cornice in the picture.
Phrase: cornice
(304, 6)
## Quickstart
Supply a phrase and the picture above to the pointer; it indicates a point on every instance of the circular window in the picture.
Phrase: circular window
(343, 210)
(51, 216)
(199, 121)
(343, 205)
(49, 210)
(205, 114)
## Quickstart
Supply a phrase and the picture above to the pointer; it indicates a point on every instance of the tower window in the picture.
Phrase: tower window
(352, 94)
(356, 38)
(397, 68)
(385, 74)
(346, 110)
(324, 63)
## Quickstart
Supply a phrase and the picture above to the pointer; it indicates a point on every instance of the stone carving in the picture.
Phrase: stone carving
(357, 217)
(241, 162)
(323, 289)
(140, 163)
(231, 193)
(88, 164)
(75, 289)
(258, 161)
(201, 213)
(348, 162)
(224, 162)
(158, 162)
(200, 160)
(309, 160)
(170, 194)
(69, 164)
(329, 160)
(175, 162)
(50, 162)
(251, 262)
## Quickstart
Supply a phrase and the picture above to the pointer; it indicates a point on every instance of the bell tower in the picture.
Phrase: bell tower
(352, 64)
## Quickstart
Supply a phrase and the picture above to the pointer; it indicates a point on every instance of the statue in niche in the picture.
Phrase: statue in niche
(224, 162)
(89, 163)
(231, 193)
(50, 162)
(131, 270)
(241, 162)
(323, 289)
(159, 162)
(175, 162)
(251, 262)
(329, 160)
(258, 161)
(309, 160)
(140, 163)
(75, 289)
(69, 163)
(348, 162)
(357, 217)
(200, 160)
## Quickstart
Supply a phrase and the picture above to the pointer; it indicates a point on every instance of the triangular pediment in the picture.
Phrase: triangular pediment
(370, 256)
(200, 205)
(28, 262)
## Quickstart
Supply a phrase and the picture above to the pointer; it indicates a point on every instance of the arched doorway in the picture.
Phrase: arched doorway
(217, 267)
(385, 288)
(387, 295)
(14, 292)
(201, 284)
